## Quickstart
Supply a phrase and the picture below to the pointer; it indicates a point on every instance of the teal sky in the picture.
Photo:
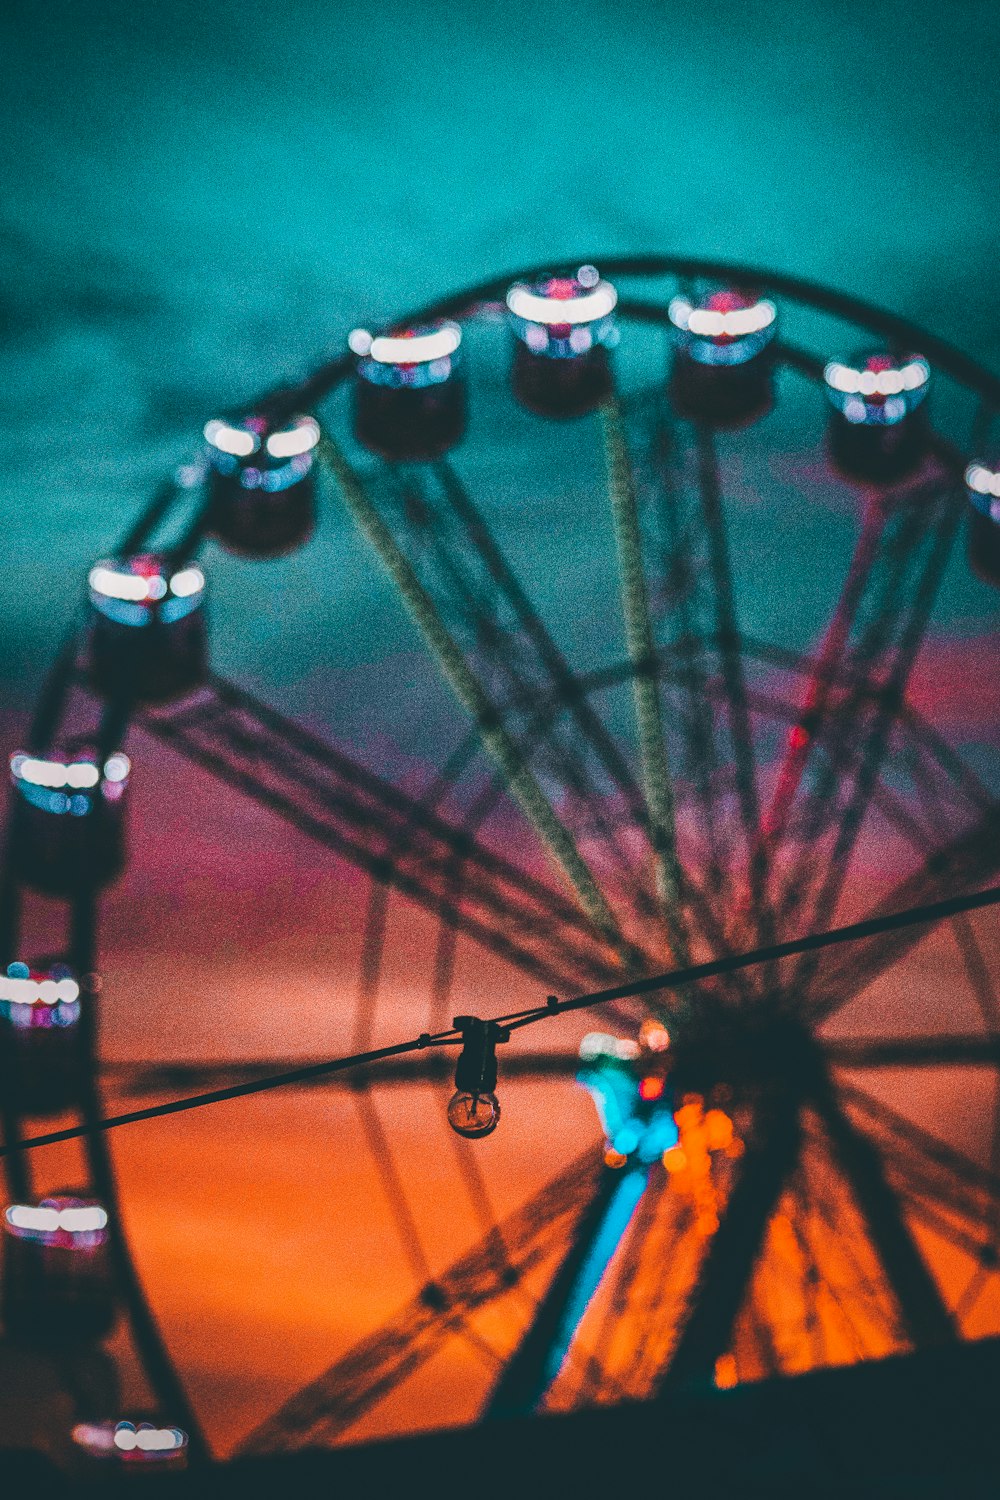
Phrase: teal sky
(199, 199)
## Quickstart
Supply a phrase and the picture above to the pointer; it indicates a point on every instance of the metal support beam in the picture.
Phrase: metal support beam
(922, 1308)
(656, 773)
(728, 1267)
(523, 783)
(539, 1357)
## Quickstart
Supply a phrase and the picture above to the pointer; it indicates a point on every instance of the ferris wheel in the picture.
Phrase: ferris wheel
(679, 571)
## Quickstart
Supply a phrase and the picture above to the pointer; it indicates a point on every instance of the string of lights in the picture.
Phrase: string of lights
(476, 1073)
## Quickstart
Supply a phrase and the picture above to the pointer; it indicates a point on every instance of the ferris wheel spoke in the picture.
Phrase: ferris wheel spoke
(974, 1289)
(943, 1196)
(938, 763)
(341, 804)
(587, 724)
(829, 821)
(728, 1265)
(504, 632)
(370, 968)
(741, 736)
(684, 553)
(538, 1359)
(941, 1051)
(392, 1186)
(147, 1338)
(965, 862)
(754, 1329)
(924, 1206)
(17, 1169)
(467, 687)
(327, 1407)
(923, 1310)
(807, 1272)
(927, 1164)
(666, 1279)
(695, 684)
(820, 1227)
(824, 673)
(599, 1374)
(657, 777)
(520, 664)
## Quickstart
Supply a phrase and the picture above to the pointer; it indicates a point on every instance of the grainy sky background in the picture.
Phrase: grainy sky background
(198, 200)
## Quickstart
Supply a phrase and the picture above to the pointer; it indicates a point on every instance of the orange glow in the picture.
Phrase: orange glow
(675, 1159)
(784, 1235)
(689, 1162)
(718, 1130)
(614, 1158)
(651, 1088)
(725, 1372)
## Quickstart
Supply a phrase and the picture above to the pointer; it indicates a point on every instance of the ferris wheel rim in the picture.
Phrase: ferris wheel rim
(949, 357)
(465, 304)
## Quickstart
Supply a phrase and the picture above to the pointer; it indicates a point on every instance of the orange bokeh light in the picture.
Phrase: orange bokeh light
(718, 1130)
(675, 1159)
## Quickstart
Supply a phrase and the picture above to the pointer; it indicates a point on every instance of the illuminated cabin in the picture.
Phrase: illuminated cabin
(878, 423)
(723, 357)
(147, 635)
(57, 1282)
(563, 328)
(982, 485)
(40, 1008)
(138, 1441)
(67, 828)
(409, 392)
(262, 483)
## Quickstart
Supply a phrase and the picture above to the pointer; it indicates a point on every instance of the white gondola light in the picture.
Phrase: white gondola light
(416, 357)
(877, 389)
(294, 441)
(148, 1439)
(982, 485)
(234, 442)
(128, 1441)
(39, 998)
(70, 1223)
(134, 591)
(68, 786)
(550, 308)
(985, 482)
(259, 456)
(562, 317)
(408, 349)
(984, 489)
(725, 328)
